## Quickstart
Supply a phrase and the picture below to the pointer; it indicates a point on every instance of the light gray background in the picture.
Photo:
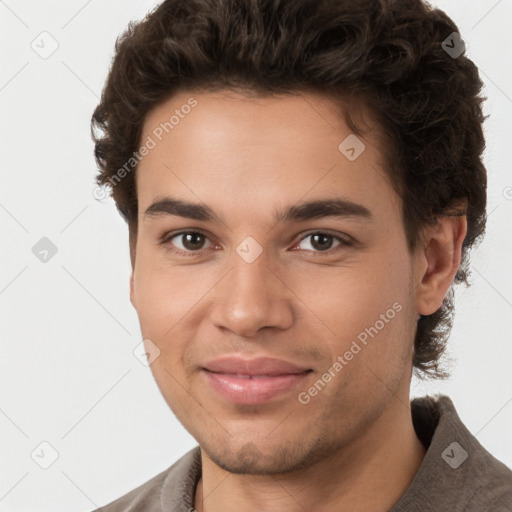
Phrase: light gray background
(67, 372)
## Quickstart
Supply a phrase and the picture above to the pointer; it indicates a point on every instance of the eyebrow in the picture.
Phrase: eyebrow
(333, 207)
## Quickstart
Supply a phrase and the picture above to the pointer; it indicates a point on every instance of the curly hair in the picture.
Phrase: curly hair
(387, 53)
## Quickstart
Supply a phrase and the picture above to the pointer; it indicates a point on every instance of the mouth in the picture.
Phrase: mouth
(251, 389)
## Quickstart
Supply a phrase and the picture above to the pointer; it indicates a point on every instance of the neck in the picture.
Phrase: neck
(371, 472)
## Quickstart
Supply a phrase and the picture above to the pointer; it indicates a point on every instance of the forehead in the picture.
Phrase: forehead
(251, 150)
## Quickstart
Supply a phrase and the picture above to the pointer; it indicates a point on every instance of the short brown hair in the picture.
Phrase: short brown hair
(388, 53)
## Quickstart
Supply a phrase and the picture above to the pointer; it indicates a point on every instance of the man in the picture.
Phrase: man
(302, 181)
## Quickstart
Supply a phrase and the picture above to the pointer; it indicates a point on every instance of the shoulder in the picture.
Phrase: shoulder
(145, 497)
(489, 483)
(492, 497)
(149, 496)
(484, 481)
(457, 472)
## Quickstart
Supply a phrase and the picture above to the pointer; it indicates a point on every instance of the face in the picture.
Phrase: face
(287, 249)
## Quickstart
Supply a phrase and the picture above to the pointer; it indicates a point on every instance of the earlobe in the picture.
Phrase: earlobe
(442, 253)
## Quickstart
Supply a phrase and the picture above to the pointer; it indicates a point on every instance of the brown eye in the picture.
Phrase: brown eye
(192, 241)
(322, 242)
(186, 242)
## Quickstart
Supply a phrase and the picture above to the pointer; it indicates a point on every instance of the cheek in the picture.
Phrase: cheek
(351, 298)
(155, 302)
(168, 303)
(166, 295)
(362, 311)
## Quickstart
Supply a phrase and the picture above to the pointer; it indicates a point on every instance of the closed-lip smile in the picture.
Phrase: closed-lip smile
(252, 381)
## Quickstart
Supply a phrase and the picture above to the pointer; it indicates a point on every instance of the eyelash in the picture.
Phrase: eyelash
(344, 243)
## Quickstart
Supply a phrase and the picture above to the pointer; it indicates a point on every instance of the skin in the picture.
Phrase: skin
(353, 446)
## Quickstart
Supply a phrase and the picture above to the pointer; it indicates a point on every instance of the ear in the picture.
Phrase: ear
(132, 291)
(437, 261)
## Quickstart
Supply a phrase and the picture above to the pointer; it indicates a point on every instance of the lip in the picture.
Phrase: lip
(253, 381)
(253, 367)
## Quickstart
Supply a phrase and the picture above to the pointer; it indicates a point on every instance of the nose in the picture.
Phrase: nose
(251, 297)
